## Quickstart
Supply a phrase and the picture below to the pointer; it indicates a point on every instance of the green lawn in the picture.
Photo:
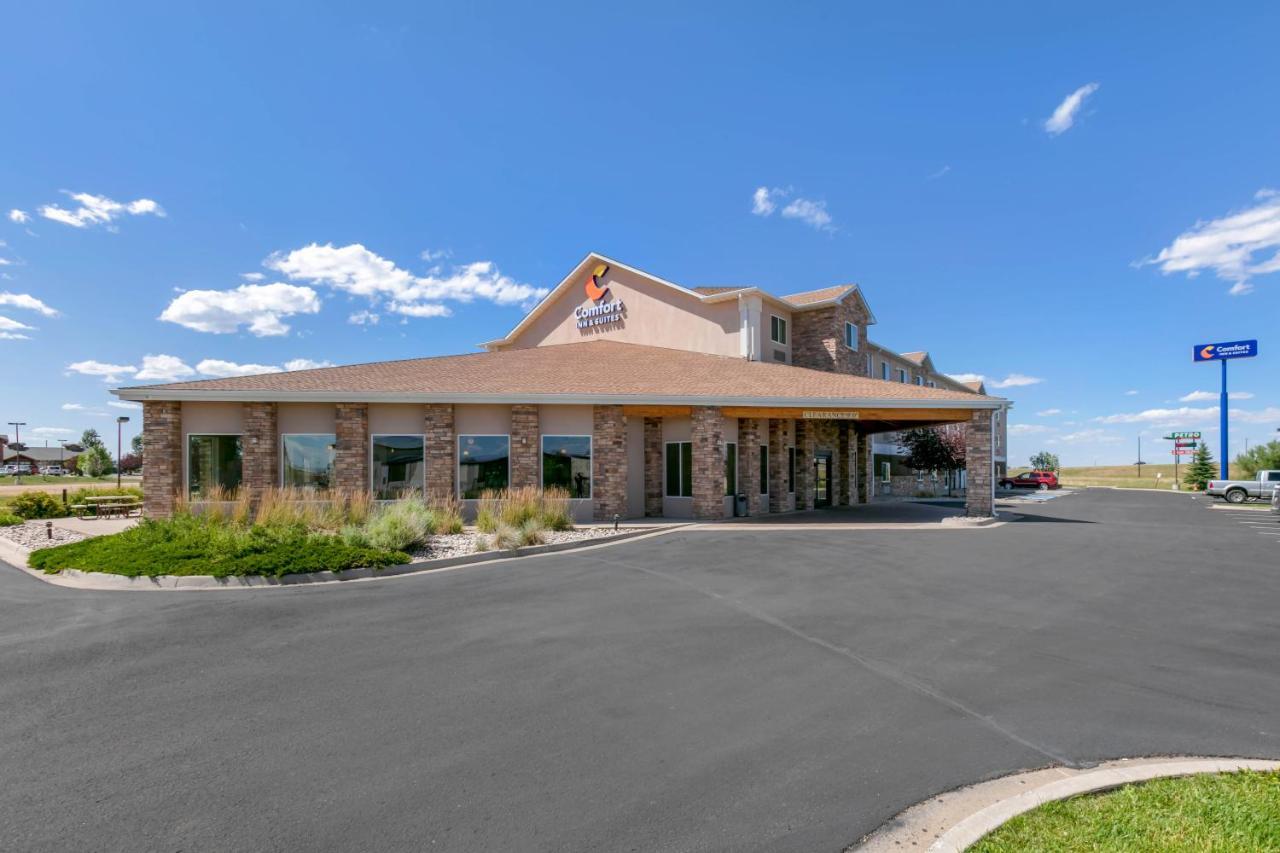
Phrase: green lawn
(1121, 476)
(1225, 812)
(69, 479)
(198, 546)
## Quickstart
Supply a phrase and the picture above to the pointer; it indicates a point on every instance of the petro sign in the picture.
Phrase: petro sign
(1231, 349)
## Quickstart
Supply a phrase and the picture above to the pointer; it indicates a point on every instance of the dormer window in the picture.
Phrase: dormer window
(851, 336)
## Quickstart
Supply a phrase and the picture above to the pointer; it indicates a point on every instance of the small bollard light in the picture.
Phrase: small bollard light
(615, 520)
(48, 529)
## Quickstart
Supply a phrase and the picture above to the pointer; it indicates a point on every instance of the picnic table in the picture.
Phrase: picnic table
(106, 506)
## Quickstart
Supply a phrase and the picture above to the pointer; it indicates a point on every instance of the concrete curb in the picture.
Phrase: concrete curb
(104, 581)
(958, 819)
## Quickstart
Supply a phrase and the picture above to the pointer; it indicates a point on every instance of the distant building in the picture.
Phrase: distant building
(43, 457)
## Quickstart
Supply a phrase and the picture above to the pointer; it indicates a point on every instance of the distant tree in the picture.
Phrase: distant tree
(136, 444)
(933, 449)
(130, 462)
(1045, 461)
(1201, 470)
(1260, 457)
(90, 438)
(95, 461)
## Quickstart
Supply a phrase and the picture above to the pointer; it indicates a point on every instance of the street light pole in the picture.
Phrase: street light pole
(120, 422)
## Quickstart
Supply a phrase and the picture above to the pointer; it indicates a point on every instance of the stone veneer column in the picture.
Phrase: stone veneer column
(351, 455)
(749, 463)
(844, 463)
(862, 465)
(653, 472)
(524, 446)
(804, 464)
(608, 462)
(979, 500)
(442, 448)
(777, 467)
(708, 462)
(260, 449)
(162, 455)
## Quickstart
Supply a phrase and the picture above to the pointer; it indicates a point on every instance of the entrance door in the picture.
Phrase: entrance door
(822, 478)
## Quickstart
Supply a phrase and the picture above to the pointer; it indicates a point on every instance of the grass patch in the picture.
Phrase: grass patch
(1123, 476)
(206, 545)
(514, 508)
(1229, 811)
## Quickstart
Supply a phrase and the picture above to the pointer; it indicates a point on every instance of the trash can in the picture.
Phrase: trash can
(740, 504)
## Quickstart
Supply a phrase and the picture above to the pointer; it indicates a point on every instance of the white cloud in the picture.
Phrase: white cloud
(1269, 415)
(1044, 413)
(164, 368)
(938, 174)
(967, 377)
(52, 431)
(1211, 396)
(108, 372)
(221, 369)
(1095, 435)
(252, 276)
(12, 330)
(97, 210)
(1027, 429)
(363, 318)
(360, 272)
(763, 200)
(1065, 115)
(1228, 245)
(1132, 392)
(813, 213)
(1015, 380)
(305, 364)
(19, 216)
(1162, 417)
(258, 306)
(74, 407)
(123, 404)
(26, 300)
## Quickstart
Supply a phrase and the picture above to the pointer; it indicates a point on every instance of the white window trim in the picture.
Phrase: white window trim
(186, 458)
(886, 472)
(375, 435)
(284, 435)
(786, 332)
(591, 477)
(457, 458)
(850, 327)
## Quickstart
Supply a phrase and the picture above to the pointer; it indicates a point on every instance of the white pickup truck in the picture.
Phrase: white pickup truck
(1239, 491)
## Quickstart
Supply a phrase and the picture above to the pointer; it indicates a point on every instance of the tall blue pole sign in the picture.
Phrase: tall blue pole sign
(1224, 353)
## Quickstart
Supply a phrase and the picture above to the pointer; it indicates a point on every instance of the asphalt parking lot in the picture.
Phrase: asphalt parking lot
(716, 690)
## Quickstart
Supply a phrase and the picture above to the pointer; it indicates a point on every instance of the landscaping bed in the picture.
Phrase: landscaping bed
(34, 534)
(1227, 811)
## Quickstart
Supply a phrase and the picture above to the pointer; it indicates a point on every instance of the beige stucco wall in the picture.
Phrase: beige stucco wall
(396, 419)
(210, 418)
(764, 342)
(565, 420)
(656, 315)
(307, 418)
(481, 420)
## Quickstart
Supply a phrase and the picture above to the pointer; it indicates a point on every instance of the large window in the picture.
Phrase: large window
(778, 330)
(566, 464)
(730, 468)
(306, 460)
(483, 464)
(398, 469)
(764, 469)
(791, 470)
(679, 469)
(213, 461)
(851, 336)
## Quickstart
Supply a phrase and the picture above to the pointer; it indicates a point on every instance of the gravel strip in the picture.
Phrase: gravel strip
(33, 535)
(457, 544)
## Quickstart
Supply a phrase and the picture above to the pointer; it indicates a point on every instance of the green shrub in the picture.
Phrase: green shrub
(401, 525)
(8, 519)
(34, 504)
(193, 545)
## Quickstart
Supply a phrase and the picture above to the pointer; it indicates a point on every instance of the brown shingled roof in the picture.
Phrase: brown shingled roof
(712, 291)
(808, 297)
(916, 358)
(588, 370)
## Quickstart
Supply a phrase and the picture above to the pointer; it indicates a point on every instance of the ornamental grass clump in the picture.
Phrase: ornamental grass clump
(401, 525)
(448, 514)
(514, 507)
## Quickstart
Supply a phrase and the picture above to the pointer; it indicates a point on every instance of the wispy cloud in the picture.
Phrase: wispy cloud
(1044, 413)
(1228, 245)
(97, 210)
(1013, 380)
(27, 301)
(1089, 435)
(764, 201)
(1065, 115)
(363, 318)
(108, 371)
(938, 174)
(19, 216)
(1132, 392)
(1027, 429)
(12, 330)
(1212, 396)
(171, 368)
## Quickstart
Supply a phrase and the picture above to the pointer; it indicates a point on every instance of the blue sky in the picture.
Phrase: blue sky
(1066, 196)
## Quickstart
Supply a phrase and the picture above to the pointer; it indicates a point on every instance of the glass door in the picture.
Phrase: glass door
(822, 478)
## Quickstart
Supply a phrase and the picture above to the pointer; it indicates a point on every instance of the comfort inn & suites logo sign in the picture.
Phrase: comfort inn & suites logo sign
(599, 312)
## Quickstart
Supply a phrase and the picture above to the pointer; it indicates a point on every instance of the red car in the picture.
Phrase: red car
(1042, 480)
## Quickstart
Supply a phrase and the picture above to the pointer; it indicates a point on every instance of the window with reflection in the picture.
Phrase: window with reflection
(483, 464)
(398, 468)
(213, 462)
(306, 460)
(566, 464)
